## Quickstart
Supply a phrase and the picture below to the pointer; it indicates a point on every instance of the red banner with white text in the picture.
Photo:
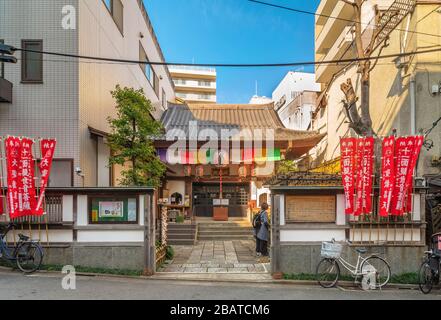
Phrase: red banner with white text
(387, 175)
(13, 154)
(26, 188)
(403, 153)
(359, 177)
(347, 163)
(417, 143)
(47, 147)
(368, 170)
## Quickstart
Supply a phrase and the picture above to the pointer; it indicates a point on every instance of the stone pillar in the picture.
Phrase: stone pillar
(275, 236)
(149, 235)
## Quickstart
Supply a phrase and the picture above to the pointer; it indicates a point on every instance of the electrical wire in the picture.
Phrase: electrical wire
(332, 17)
(231, 65)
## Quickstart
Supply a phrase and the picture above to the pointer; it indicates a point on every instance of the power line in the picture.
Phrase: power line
(231, 65)
(332, 17)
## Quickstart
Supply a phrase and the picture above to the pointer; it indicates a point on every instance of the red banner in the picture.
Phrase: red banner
(387, 175)
(359, 177)
(26, 187)
(368, 168)
(417, 144)
(347, 163)
(404, 150)
(13, 151)
(47, 147)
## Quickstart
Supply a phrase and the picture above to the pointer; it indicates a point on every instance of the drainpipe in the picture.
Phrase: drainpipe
(412, 95)
(412, 106)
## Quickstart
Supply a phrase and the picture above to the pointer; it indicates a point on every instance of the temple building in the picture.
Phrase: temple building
(218, 157)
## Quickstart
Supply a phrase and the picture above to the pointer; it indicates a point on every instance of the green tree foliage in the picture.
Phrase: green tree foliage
(286, 166)
(130, 140)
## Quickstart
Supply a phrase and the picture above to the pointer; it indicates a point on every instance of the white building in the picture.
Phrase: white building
(294, 99)
(70, 99)
(194, 84)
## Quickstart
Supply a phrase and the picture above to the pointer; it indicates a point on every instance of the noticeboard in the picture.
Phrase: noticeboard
(314, 208)
(113, 210)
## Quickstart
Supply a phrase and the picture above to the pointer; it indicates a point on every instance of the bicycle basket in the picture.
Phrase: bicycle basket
(331, 250)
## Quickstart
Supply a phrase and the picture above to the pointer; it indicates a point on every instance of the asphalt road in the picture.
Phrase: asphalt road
(48, 286)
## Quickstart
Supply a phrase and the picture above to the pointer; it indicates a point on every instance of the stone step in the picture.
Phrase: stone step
(220, 232)
(180, 242)
(180, 235)
(225, 237)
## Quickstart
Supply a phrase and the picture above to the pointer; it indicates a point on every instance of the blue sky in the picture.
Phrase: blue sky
(235, 31)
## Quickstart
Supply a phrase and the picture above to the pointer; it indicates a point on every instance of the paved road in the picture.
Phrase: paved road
(48, 286)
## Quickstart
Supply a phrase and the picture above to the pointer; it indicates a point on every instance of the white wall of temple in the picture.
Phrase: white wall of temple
(318, 232)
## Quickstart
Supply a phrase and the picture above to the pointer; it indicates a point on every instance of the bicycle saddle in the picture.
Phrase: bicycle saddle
(23, 237)
(361, 250)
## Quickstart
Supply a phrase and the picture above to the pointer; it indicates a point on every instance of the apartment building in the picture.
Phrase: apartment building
(404, 92)
(70, 99)
(194, 84)
(294, 99)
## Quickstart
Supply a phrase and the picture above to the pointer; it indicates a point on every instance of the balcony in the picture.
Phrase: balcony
(5, 91)
(189, 97)
(198, 86)
(332, 27)
(324, 72)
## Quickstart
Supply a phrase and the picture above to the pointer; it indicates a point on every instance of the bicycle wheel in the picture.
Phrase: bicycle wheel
(29, 257)
(425, 277)
(328, 272)
(381, 269)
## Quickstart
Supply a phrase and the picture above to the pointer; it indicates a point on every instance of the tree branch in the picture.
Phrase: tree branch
(386, 44)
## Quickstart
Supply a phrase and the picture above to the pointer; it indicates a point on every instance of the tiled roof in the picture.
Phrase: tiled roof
(176, 120)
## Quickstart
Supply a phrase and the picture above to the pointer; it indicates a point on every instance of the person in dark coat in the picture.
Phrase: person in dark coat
(262, 234)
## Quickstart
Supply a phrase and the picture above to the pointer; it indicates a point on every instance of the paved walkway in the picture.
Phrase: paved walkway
(236, 256)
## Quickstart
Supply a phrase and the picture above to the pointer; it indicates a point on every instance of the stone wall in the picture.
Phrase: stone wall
(109, 256)
(303, 258)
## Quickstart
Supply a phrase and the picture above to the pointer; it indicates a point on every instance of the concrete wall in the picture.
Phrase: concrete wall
(304, 258)
(49, 109)
(99, 36)
(108, 256)
(389, 95)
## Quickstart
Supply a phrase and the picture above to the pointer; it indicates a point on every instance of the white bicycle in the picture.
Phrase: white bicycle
(373, 270)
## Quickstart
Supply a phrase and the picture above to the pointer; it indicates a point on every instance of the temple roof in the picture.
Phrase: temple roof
(176, 120)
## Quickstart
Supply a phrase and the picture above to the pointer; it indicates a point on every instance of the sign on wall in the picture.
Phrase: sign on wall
(315, 208)
(113, 210)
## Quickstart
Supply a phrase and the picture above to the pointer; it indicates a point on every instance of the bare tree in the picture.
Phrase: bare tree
(361, 121)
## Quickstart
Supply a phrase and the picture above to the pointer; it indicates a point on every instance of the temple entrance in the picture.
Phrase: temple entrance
(236, 194)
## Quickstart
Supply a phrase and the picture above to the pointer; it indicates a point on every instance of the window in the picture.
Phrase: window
(62, 173)
(146, 68)
(164, 99)
(204, 83)
(2, 65)
(116, 10)
(32, 62)
(156, 83)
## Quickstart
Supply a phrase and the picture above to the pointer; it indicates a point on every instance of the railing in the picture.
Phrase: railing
(54, 208)
(190, 68)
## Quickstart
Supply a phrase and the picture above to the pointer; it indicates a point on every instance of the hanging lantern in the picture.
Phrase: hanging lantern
(199, 171)
(187, 171)
(242, 171)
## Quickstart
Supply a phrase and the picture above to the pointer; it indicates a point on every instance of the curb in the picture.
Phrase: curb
(344, 284)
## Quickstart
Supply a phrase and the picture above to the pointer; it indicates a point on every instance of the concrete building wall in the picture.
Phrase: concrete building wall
(390, 89)
(195, 84)
(100, 36)
(49, 109)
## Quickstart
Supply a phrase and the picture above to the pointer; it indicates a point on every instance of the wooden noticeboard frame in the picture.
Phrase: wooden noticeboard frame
(310, 208)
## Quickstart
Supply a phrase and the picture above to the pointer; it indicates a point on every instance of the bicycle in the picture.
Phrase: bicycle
(429, 273)
(374, 270)
(27, 253)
